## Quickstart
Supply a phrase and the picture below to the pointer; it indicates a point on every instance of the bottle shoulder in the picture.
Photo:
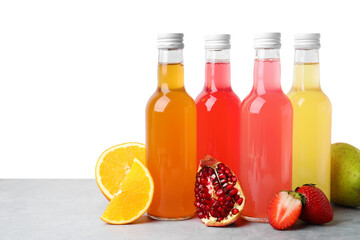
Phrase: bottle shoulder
(255, 103)
(228, 96)
(170, 99)
(309, 98)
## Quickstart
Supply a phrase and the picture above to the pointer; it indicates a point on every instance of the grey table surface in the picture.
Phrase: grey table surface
(71, 209)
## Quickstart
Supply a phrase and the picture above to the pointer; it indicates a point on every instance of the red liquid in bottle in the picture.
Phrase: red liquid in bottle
(218, 117)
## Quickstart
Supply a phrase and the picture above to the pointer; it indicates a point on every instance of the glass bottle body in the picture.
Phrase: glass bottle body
(218, 112)
(171, 141)
(266, 137)
(312, 124)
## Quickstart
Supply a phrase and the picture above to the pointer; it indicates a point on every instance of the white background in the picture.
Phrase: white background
(76, 75)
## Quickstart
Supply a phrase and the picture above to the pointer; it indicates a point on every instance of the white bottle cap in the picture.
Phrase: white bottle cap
(307, 41)
(217, 41)
(267, 40)
(170, 40)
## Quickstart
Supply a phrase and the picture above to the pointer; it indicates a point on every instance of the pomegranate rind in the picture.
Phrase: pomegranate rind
(211, 221)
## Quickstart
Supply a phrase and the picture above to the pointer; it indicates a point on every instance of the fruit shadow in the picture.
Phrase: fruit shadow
(337, 207)
(240, 223)
(146, 219)
(142, 220)
(301, 224)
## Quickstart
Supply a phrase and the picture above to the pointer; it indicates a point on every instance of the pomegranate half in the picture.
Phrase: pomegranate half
(219, 197)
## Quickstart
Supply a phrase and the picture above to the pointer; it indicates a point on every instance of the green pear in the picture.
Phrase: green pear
(345, 175)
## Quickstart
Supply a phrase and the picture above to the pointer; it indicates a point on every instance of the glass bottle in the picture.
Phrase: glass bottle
(266, 132)
(218, 107)
(312, 117)
(171, 136)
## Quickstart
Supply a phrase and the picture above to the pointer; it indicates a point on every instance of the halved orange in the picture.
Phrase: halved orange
(133, 198)
(114, 164)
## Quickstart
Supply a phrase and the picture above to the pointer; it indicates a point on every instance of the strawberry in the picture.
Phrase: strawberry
(285, 209)
(317, 208)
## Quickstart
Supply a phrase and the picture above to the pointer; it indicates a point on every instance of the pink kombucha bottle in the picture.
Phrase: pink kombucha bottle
(218, 107)
(266, 132)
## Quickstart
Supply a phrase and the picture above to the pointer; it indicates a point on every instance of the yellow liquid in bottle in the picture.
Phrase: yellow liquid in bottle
(312, 129)
(171, 146)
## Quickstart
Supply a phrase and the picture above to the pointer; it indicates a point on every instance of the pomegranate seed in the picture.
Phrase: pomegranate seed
(221, 166)
(205, 189)
(227, 203)
(222, 176)
(220, 192)
(236, 197)
(197, 184)
(201, 215)
(219, 209)
(216, 187)
(197, 198)
(224, 185)
(196, 190)
(223, 181)
(228, 198)
(221, 199)
(204, 180)
(207, 202)
(219, 219)
(223, 214)
(234, 179)
(206, 196)
(197, 204)
(198, 179)
(235, 211)
(239, 201)
(210, 171)
(227, 170)
(213, 177)
(212, 212)
(229, 175)
(233, 192)
(229, 187)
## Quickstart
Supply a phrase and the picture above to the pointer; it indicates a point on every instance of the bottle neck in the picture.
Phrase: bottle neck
(306, 70)
(267, 72)
(170, 69)
(217, 70)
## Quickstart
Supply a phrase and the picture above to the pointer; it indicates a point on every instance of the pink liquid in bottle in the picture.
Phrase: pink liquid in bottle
(218, 116)
(266, 138)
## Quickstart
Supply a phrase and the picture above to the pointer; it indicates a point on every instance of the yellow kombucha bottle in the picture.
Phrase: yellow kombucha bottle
(312, 117)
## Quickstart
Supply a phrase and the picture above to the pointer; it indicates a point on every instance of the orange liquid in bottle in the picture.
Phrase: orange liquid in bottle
(171, 145)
